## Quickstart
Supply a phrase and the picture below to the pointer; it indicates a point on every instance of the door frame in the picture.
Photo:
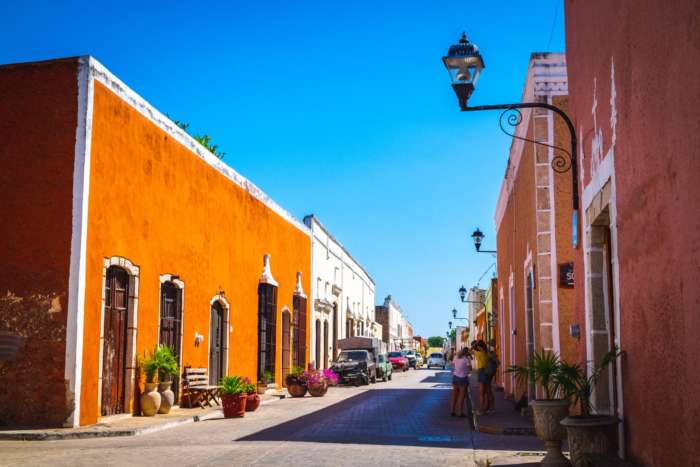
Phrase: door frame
(287, 361)
(180, 285)
(227, 331)
(133, 272)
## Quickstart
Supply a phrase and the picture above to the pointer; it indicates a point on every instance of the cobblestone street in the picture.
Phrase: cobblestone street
(402, 422)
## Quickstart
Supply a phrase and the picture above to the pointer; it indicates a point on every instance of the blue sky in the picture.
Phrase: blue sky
(343, 110)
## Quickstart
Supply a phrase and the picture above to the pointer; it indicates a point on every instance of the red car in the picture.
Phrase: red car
(398, 361)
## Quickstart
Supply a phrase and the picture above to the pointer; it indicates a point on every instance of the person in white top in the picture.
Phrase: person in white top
(460, 382)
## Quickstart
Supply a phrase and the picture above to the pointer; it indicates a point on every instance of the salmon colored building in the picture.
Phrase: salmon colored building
(535, 298)
(634, 69)
(144, 237)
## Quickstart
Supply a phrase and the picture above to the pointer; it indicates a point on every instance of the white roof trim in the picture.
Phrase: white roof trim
(100, 73)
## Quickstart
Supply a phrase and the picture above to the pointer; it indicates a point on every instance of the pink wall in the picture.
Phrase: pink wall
(634, 82)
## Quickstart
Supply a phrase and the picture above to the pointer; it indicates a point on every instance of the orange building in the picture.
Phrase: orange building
(535, 299)
(144, 237)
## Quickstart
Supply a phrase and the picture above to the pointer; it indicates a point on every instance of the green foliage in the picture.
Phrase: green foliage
(543, 369)
(578, 386)
(269, 378)
(166, 362)
(296, 370)
(233, 385)
(149, 366)
(205, 140)
(453, 334)
(436, 341)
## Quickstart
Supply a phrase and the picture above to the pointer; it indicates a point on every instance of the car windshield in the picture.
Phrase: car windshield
(435, 355)
(380, 358)
(352, 356)
(411, 352)
(395, 354)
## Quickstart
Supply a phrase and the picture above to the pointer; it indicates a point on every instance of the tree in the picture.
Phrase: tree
(204, 140)
(436, 341)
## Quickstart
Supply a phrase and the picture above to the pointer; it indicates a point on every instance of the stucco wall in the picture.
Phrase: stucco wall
(634, 70)
(38, 119)
(155, 203)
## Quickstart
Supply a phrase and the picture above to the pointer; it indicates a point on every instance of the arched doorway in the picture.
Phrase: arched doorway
(325, 342)
(170, 329)
(217, 343)
(286, 344)
(318, 343)
(114, 346)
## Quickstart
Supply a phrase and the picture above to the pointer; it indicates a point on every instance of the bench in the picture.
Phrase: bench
(196, 388)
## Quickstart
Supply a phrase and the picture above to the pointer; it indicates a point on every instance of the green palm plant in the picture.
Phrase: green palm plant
(543, 368)
(166, 362)
(233, 385)
(578, 385)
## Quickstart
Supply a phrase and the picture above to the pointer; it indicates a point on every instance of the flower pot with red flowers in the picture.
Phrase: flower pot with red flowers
(296, 382)
(252, 395)
(233, 396)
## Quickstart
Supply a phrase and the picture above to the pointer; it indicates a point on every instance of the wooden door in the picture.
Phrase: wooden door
(286, 347)
(216, 343)
(116, 318)
(171, 322)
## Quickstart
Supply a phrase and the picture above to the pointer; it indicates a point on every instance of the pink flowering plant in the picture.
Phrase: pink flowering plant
(315, 377)
(330, 376)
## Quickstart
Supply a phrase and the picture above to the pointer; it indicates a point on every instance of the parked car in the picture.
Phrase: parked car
(419, 360)
(411, 356)
(384, 367)
(356, 363)
(398, 361)
(356, 367)
(436, 359)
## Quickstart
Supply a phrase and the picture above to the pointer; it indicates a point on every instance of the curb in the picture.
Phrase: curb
(107, 433)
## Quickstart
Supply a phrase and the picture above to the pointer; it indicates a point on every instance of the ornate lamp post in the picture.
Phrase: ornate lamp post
(478, 236)
(464, 64)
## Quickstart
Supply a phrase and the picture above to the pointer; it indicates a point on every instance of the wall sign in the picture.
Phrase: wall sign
(566, 275)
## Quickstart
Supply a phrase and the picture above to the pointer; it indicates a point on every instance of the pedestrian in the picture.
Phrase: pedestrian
(461, 367)
(490, 368)
(480, 359)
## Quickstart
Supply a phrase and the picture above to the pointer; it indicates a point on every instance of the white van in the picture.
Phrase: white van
(436, 359)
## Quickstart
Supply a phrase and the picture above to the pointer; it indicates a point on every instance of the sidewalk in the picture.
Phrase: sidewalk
(505, 420)
(123, 425)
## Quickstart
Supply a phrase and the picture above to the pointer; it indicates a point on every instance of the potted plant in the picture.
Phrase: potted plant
(544, 369)
(589, 435)
(318, 382)
(296, 382)
(253, 399)
(150, 398)
(233, 396)
(167, 368)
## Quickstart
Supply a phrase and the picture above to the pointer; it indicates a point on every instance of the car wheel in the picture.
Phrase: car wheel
(443, 367)
(365, 381)
(390, 376)
(374, 379)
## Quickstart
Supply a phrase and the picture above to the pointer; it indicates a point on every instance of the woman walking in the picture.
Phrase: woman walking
(481, 356)
(460, 382)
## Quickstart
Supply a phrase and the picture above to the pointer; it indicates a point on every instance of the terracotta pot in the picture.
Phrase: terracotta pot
(296, 390)
(253, 402)
(167, 396)
(319, 389)
(590, 437)
(547, 415)
(150, 400)
(234, 405)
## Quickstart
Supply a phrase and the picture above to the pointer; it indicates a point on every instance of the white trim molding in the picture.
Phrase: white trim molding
(266, 276)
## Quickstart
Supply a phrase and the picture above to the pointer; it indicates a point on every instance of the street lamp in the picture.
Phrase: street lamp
(464, 64)
(449, 324)
(462, 294)
(478, 236)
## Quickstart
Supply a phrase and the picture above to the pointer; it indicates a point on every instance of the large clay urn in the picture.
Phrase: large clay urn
(253, 402)
(167, 396)
(318, 389)
(547, 415)
(150, 400)
(234, 405)
(591, 437)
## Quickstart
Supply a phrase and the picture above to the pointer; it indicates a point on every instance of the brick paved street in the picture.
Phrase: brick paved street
(402, 422)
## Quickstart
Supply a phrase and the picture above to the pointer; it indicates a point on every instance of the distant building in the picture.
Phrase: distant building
(343, 296)
(397, 330)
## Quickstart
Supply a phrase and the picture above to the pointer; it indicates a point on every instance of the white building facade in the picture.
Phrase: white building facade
(342, 303)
